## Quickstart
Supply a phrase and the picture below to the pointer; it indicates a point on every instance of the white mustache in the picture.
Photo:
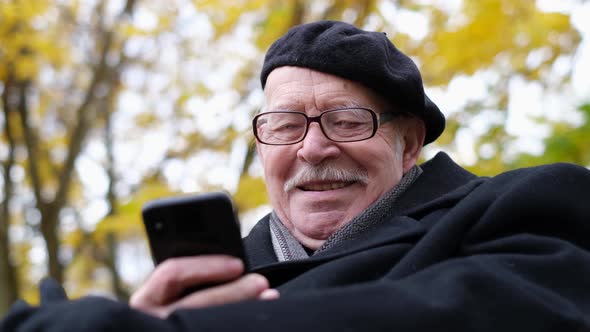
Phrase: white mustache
(323, 173)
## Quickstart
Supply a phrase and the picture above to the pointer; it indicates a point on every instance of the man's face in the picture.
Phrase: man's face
(315, 208)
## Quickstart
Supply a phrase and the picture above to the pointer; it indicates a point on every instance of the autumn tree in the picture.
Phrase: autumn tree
(49, 121)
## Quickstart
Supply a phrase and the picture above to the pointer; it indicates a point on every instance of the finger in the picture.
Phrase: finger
(246, 288)
(171, 277)
(269, 294)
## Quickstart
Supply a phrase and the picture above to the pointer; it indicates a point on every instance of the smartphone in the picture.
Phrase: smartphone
(192, 225)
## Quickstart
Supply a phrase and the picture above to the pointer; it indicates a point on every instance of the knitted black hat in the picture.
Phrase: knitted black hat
(366, 57)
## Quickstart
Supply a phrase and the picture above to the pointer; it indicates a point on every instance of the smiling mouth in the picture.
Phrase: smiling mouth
(324, 186)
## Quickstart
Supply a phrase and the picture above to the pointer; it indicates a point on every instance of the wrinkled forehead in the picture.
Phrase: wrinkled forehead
(303, 89)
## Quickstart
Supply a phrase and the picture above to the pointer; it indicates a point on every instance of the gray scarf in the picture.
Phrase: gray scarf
(286, 247)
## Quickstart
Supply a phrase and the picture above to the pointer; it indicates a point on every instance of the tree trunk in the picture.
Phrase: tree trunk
(49, 223)
(8, 283)
(49, 211)
(111, 262)
(8, 280)
(111, 254)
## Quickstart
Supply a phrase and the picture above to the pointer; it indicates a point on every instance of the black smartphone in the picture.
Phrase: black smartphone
(192, 225)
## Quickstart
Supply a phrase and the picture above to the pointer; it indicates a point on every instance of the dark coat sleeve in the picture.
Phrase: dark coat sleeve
(85, 314)
(57, 313)
(513, 255)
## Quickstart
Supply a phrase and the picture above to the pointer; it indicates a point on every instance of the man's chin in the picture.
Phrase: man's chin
(319, 224)
(317, 227)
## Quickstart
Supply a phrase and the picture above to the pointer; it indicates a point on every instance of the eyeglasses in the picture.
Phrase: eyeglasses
(339, 125)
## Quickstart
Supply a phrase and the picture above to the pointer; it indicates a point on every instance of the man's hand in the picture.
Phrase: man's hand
(160, 293)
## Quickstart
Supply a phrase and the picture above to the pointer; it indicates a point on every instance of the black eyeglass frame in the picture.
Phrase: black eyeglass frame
(377, 118)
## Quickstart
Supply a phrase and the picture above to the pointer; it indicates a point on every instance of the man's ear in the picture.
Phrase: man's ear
(413, 136)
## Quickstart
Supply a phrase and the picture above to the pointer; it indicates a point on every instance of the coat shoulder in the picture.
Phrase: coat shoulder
(570, 180)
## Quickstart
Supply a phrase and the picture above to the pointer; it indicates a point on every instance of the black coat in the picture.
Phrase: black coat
(508, 253)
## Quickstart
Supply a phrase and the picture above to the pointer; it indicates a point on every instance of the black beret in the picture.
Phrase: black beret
(366, 57)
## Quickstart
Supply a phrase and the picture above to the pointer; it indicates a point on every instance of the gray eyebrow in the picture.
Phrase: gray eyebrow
(348, 104)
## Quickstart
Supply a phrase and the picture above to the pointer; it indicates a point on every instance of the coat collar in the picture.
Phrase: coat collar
(440, 176)
(258, 244)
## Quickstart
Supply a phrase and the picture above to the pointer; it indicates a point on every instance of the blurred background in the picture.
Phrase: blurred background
(108, 104)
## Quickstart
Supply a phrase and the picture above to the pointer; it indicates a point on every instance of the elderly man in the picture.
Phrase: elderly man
(361, 238)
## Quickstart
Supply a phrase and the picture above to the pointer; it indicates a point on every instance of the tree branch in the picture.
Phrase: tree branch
(101, 72)
(31, 142)
(85, 114)
(81, 127)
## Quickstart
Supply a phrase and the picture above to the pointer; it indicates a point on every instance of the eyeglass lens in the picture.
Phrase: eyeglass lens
(338, 125)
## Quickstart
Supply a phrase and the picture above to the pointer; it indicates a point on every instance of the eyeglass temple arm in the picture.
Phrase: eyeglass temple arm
(387, 116)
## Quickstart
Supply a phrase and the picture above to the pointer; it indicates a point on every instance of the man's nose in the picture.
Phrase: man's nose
(316, 147)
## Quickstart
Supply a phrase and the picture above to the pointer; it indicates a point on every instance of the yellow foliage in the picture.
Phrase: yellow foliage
(82, 271)
(23, 46)
(224, 15)
(146, 119)
(128, 30)
(126, 222)
(491, 28)
(251, 193)
(124, 225)
(20, 255)
(448, 135)
(73, 239)
(276, 24)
